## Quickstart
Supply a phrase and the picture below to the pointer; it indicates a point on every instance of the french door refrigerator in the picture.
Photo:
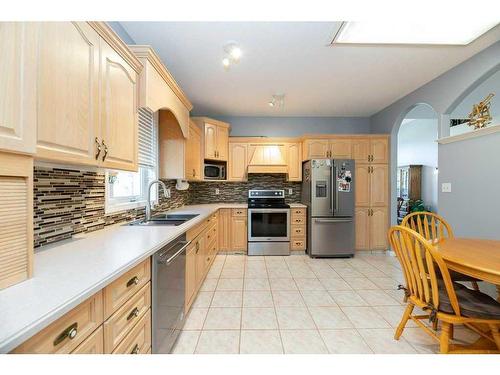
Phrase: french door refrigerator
(328, 192)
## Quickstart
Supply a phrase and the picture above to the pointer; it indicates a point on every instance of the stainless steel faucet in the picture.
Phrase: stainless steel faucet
(166, 194)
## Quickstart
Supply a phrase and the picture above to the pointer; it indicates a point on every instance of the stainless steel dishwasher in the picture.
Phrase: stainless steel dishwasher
(169, 274)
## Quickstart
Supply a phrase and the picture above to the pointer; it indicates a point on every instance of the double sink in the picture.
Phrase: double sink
(165, 219)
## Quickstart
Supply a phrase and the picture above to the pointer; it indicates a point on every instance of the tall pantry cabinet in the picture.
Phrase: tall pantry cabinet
(371, 155)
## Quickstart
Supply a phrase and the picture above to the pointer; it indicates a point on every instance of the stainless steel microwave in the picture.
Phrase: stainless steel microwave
(215, 172)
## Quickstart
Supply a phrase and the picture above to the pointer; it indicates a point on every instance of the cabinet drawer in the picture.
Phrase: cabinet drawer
(122, 321)
(211, 234)
(238, 212)
(298, 212)
(298, 220)
(298, 244)
(138, 341)
(69, 331)
(298, 231)
(94, 344)
(120, 290)
(211, 253)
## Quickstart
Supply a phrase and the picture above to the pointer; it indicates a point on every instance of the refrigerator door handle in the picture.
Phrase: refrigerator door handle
(336, 189)
(332, 180)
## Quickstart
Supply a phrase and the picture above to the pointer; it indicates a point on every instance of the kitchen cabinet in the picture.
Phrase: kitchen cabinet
(371, 150)
(91, 119)
(371, 228)
(172, 145)
(16, 218)
(18, 65)
(193, 154)
(340, 148)
(119, 116)
(362, 185)
(298, 229)
(362, 237)
(238, 162)
(361, 149)
(294, 160)
(239, 230)
(316, 149)
(372, 185)
(94, 344)
(224, 229)
(215, 138)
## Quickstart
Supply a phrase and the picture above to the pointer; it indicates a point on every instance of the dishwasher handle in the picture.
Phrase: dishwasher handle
(167, 262)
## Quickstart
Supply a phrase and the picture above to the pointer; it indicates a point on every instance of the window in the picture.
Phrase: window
(126, 190)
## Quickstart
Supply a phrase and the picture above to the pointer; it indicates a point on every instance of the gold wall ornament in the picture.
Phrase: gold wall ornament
(480, 115)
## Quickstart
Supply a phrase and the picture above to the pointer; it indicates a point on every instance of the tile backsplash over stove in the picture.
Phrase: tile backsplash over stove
(71, 201)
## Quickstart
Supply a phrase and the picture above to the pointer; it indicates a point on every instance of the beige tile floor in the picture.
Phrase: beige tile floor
(296, 304)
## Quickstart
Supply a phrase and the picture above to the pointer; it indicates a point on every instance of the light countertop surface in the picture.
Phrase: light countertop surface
(67, 273)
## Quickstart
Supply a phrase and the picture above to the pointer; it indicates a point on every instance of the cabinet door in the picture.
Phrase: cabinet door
(362, 241)
(193, 154)
(237, 164)
(379, 185)
(340, 148)
(118, 111)
(191, 283)
(378, 228)
(239, 233)
(362, 185)
(294, 158)
(361, 150)
(67, 118)
(199, 246)
(379, 150)
(222, 142)
(18, 42)
(210, 141)
(316, 148)
(224, 227)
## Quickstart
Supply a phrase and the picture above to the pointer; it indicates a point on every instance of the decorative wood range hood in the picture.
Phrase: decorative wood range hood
(267, 158)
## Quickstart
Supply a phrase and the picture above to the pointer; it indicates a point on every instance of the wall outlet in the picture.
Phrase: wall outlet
(290, 191)
(217, 192)
(446, 187)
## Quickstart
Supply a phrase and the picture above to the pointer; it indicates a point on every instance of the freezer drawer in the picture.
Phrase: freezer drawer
(331, 237)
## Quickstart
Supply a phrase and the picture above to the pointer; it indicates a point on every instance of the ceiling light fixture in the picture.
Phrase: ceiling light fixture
(277, 101)
(435, 33)
(232, 55)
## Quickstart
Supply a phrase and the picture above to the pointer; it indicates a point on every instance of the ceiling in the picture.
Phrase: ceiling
(293, 58)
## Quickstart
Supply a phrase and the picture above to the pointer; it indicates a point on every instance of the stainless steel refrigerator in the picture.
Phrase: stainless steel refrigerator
(328, 192)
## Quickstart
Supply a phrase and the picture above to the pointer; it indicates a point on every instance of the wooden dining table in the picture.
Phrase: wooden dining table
(474, 257)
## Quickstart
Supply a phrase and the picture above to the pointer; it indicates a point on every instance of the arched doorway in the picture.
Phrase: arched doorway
(417, 161)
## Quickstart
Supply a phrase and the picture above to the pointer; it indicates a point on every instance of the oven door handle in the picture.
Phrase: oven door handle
(269, 210)
(178, 252)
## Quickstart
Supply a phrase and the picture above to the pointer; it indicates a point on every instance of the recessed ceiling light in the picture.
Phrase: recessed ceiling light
(226, 62)
(444, 32)
(277, 100)
(235, 53)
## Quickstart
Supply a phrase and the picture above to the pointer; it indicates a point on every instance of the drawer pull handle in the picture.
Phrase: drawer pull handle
(133, 314)
(135, 350)
(69, 333)
(133, 281)
(105, 150)
(98, 146)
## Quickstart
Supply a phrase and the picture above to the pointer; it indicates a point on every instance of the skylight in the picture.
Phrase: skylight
(442, 32)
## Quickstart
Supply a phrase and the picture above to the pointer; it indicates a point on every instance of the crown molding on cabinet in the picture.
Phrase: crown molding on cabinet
(147, 52)
(117, 44)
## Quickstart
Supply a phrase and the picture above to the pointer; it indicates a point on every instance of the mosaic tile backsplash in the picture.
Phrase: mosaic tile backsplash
(70, 201)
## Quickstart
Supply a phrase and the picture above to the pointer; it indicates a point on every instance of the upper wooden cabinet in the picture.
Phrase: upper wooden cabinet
(335, 148)
(18, 64)
(172, 146)
(193, 154)
(238, 162)
(92, 116)
(158, 88)
(119, 119)
(216, 138)
(294, 160)
(371, 150)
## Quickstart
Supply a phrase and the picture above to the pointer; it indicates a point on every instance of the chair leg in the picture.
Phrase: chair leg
(475, 286)
(496, 335)
(404, 320)
(435, 325)
(444, 339)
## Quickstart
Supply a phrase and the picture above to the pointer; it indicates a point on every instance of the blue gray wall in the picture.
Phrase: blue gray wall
(295, 126)
(443, 94)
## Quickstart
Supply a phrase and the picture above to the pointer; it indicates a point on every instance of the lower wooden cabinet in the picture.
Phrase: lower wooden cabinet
(371, 228)
(224, 229)
(94, 344)
(138, 341)
(239, 229)
(298, 230)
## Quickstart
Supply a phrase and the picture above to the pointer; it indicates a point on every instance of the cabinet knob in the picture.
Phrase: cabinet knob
(133, 281)
(135, 350)
(133, 314)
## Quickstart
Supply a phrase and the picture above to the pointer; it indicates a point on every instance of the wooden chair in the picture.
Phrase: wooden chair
(434, 228)
(442, 299)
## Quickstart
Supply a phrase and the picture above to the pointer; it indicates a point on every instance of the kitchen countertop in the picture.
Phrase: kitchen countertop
(67, 273)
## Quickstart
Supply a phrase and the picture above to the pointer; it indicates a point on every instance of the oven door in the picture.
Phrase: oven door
(268, 224)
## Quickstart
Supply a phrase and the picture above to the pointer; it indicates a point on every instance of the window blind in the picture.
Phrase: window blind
(148, 139)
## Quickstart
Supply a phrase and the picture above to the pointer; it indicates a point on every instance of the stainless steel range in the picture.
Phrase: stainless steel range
(268, 223)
